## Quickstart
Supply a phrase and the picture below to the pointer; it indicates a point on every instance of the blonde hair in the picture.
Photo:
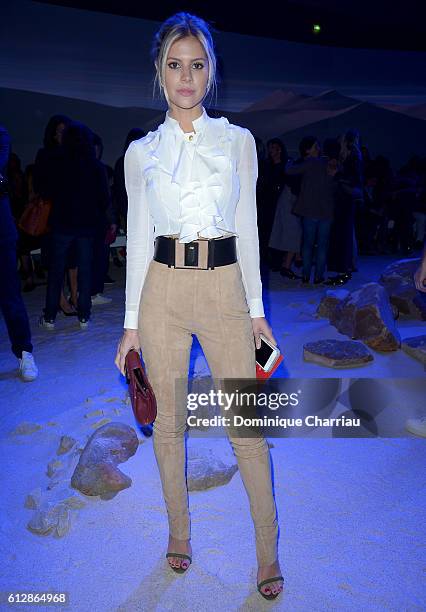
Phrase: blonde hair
(174, 28)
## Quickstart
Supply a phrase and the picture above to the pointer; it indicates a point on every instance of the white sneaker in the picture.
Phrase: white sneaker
(27, 368)
(42, 322)
(100, 299)
(84, 323)
(417, 426)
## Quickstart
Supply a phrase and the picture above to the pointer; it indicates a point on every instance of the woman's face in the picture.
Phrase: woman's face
(314, 151)
(274, 150)
(186, 73)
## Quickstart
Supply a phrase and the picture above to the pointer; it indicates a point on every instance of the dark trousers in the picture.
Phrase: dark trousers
(100, 263)
(340, 252)
(58, 250)
(11, 303)
(315, 230)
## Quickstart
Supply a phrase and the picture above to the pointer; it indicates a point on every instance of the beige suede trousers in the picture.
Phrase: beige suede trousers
(212, 305)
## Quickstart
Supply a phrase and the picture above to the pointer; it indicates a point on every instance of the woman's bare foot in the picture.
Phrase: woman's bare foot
(269, 571)
(179, 546)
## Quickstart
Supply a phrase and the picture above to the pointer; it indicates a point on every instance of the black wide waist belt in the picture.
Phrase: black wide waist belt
(199, 254)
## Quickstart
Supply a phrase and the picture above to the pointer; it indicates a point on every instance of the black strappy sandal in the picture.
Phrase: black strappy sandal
(287, 273)
(179, 570)
(267, 581)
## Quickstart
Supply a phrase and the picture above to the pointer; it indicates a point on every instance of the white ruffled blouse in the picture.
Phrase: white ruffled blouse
(199, 184)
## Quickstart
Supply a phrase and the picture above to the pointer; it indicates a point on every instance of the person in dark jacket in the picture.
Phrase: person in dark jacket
(43, 168)
(271, 181)
(11, 303)
(19, 196)
(103, 239)
(119, 193)
(119, 187)
(349, 196)
(78, 188)
(315, 203)
(52, 140)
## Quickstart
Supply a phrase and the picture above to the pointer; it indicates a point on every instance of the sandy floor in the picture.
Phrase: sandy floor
(351, 511)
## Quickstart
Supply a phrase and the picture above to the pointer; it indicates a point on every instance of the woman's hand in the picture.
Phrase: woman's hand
(129, 340)
(260, 325)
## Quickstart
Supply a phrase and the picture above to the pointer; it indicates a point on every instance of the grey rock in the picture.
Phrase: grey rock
(53, 510)
(329, 301)
(44, 520)
(74, 502)
(53, 467)
(26, 428)
(206, 469)
(33, 499)
(97, 472)
(65, 445)
(366, 315)
(205, 412)
(50, 518)
(64, 521)
(397, 279)
(337, 353)
(415, 347)
(67, 496)
(63, 473)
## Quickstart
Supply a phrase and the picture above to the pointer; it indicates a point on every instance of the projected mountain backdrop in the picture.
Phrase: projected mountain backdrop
(95, 67)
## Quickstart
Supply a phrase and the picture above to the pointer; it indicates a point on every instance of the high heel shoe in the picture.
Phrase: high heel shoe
(72, 313)
(267, 581)
(340, 279)
(180, 569)
(286, 272)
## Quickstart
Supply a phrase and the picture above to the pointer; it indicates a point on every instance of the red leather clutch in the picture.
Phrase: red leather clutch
(141, 394)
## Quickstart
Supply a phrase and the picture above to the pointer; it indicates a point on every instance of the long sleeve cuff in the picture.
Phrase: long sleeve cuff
(256, 308)
(131, 320)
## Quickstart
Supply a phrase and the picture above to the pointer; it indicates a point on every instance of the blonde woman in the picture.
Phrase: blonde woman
(193, 268)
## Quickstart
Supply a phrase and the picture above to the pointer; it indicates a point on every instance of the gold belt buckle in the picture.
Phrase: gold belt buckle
(192, 255)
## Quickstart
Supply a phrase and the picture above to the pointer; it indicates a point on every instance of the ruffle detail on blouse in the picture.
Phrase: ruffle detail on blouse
(203, 185)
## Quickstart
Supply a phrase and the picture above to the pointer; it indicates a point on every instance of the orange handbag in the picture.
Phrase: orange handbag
(34, 219)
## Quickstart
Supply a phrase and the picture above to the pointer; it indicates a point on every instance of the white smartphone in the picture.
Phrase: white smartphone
(267, 354)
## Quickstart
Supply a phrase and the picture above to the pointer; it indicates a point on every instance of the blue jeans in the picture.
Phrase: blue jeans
(58, 249)
(315, 230)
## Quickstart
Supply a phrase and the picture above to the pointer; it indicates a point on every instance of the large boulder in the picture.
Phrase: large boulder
(97, 472)
(337, 353)
(366, 315)
(330, 301)
(398, 281)
(210, 466)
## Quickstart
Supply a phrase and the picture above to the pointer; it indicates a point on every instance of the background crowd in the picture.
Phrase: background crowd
(315, 213)
(334, 202)
(88, 208)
